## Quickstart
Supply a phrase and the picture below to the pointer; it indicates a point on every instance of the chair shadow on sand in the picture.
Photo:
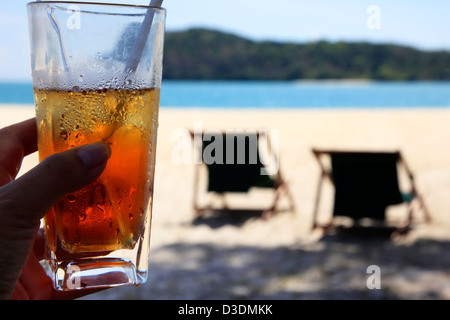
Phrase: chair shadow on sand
(333, 268)
(219, 218)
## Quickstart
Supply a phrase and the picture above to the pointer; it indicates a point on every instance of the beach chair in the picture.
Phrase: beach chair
(236, 168)
(365, 185)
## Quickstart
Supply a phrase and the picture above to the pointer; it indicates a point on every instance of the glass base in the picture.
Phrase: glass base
(97, 273)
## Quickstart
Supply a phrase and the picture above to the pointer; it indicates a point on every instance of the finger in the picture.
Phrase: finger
(39, 244)
(16, 142)
(26, 200)
(35, 284)
(34, 281)
(25, 132)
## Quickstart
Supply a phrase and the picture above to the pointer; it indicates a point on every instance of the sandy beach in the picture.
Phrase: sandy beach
(280, 258)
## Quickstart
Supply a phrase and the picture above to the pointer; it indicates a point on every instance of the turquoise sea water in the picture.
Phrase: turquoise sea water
(281, 94)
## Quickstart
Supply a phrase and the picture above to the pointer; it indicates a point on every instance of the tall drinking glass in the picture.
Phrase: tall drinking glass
(96, 72)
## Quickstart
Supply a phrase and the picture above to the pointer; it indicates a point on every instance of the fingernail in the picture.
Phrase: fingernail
(93, 155)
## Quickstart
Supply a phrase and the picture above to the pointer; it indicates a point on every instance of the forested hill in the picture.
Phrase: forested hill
(207, 54)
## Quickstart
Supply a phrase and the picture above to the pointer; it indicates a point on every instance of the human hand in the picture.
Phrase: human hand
(23, 202)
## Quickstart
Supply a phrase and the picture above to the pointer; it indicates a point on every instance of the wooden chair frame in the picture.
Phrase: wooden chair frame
(281, 188)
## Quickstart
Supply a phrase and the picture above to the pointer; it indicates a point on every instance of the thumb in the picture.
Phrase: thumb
(28, 198)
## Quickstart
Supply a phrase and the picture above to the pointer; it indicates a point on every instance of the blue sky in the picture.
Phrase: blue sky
(423, 24)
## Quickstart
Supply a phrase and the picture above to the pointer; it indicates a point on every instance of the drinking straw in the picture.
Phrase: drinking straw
(138, 48)
(55, 26)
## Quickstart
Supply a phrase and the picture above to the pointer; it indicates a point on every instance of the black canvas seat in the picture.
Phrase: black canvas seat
(366, 184)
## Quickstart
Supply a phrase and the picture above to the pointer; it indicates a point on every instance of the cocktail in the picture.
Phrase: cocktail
(97, 76)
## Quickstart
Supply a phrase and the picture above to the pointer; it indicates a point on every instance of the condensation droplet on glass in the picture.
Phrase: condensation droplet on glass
(80, 78)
